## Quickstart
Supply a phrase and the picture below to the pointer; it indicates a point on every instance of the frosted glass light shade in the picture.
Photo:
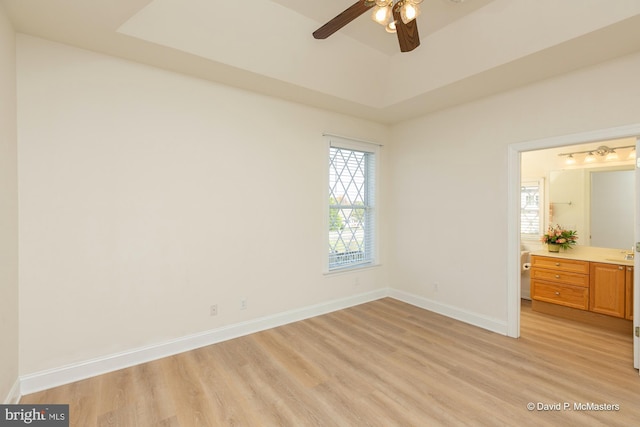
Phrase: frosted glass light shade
(632, 154)
(381, 14)
(409, 12)
(391, 27)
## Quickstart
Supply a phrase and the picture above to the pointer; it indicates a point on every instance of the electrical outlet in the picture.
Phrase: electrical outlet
(243, 304)
(213, 310)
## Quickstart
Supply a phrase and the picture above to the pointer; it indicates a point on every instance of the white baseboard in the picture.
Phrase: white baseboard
(78, 371)
(14, 394)
(491, 324)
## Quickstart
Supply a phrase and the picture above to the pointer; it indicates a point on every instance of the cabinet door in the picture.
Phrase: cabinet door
(629, 294)
(607, 289)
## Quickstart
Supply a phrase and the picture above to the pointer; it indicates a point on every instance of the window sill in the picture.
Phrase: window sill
(351, 269)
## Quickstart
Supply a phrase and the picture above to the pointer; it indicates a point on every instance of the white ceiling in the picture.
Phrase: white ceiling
(468, 50)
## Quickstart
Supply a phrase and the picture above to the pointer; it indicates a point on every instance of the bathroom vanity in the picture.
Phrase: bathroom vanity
(588, 284)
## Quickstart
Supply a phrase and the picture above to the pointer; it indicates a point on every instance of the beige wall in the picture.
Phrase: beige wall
(449, 179)
(8, 211)
(147, 196)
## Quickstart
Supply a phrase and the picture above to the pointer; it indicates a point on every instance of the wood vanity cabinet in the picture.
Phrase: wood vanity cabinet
(597, 287)
(560, 281)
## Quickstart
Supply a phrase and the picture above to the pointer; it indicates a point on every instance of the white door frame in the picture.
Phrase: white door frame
(513, 211)
(636, 268)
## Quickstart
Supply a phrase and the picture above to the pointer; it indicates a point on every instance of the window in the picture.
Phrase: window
(531, 221)
(351, 204)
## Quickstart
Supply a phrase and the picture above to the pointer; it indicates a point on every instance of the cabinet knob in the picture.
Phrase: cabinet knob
(557, 264)
(620, 267)
(557, 276)
(557, 293)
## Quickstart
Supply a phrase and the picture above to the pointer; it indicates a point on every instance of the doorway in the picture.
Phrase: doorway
(514, 243)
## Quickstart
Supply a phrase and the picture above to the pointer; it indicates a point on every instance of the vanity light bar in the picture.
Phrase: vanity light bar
(601, 151)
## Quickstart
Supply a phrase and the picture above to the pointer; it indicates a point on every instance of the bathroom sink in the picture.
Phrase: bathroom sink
(622, 258)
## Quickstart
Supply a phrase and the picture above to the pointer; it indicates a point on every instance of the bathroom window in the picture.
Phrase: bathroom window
(531, 203)
(351, 204)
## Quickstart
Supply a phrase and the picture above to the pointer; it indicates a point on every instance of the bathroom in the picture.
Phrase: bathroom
(573, 186)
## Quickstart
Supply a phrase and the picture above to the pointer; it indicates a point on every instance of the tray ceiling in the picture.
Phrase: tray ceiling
(469, 50)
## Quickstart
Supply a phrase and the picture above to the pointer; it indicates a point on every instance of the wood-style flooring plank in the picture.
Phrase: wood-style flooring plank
(384, 363)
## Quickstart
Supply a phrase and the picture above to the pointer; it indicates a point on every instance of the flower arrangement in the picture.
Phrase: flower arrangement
(561, 237)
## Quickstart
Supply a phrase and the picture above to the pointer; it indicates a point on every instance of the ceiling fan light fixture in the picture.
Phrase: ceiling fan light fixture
(385, 12)
(409, 11)
(391, 27)
(381, 14)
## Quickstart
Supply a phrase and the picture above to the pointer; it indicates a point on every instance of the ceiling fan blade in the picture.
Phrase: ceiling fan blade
(407, 33)
(357, 9)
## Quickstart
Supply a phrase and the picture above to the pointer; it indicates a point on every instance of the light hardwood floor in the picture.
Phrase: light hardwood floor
(384, 363)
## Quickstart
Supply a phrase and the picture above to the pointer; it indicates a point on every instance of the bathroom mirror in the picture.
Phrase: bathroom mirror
(598, 202)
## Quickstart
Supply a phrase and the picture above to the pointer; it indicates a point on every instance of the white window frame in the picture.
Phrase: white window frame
(540, 183)
(373, 149)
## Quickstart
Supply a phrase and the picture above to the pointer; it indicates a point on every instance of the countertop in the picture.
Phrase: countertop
(589, 253)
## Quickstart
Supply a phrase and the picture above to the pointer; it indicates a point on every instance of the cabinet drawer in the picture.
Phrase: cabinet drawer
(568, 295)
(561, 277)
(569, 265)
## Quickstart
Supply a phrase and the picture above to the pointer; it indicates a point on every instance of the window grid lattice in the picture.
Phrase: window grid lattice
(350, 213)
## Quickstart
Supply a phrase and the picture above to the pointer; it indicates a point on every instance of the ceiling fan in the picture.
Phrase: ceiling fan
(398, 16)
